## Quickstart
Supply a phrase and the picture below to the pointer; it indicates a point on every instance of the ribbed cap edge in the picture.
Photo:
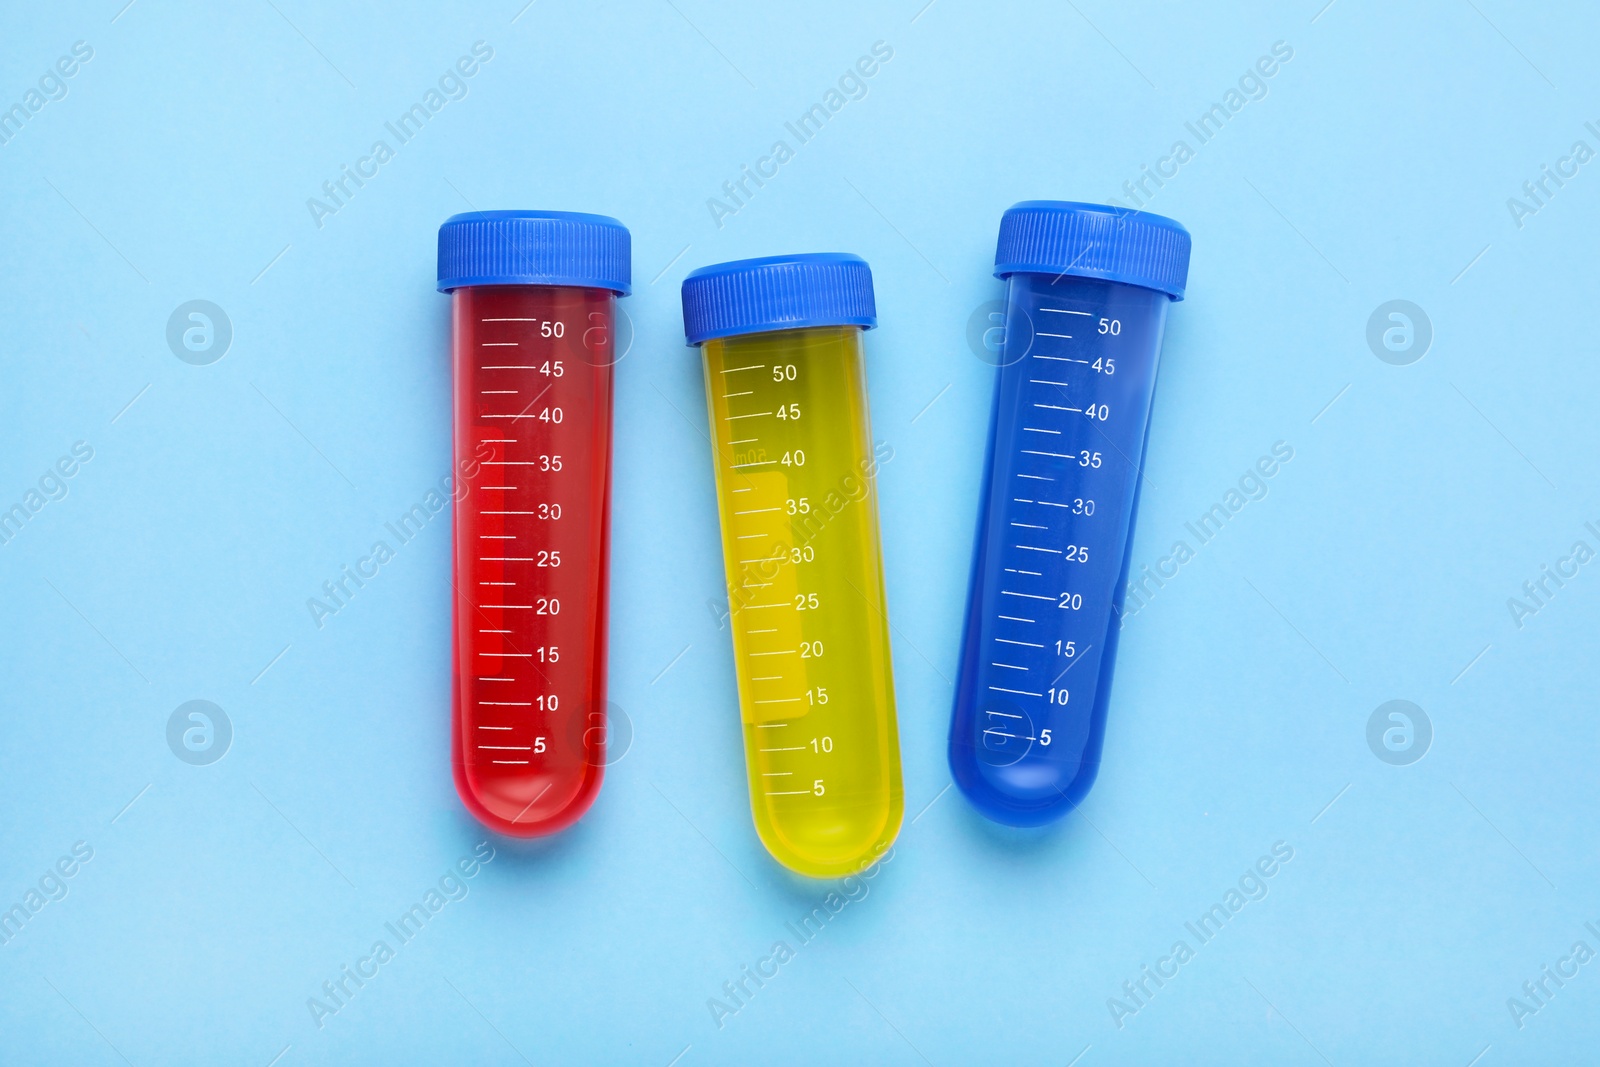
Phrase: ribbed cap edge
(535, 248)
(778, 293)
(1094, 241)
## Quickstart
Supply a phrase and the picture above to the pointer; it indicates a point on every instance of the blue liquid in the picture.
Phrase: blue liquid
(1066, 447)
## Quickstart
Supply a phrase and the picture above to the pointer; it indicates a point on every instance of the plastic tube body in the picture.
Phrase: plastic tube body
(795, 470)
(1050, 566)
(533, 391)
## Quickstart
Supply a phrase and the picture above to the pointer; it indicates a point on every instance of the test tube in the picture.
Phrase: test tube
(1086, 300)
(533, 302)
(796, 474)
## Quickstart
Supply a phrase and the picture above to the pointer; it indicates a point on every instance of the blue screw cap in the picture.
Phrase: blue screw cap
(535, 248)
(778, 293)
(1093, 241)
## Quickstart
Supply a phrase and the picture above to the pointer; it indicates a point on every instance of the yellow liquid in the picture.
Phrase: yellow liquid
(797, 493)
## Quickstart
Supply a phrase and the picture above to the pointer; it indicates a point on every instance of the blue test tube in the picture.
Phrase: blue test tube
(1087, 289)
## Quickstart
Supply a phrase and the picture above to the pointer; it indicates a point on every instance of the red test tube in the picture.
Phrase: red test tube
(533, 343)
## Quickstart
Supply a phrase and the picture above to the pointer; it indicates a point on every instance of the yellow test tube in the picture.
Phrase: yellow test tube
(796, 487)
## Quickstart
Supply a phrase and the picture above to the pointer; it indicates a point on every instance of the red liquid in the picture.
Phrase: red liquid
(533, 449)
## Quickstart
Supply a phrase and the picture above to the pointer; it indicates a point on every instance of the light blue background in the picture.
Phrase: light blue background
(178, 566)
